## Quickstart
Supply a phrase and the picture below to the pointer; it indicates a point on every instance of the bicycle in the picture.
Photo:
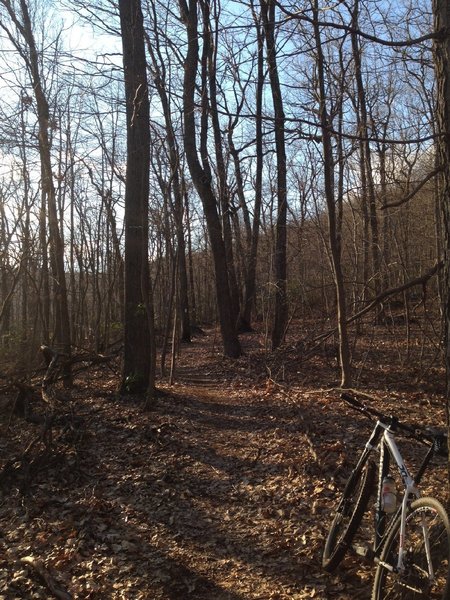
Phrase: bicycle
(411, 541)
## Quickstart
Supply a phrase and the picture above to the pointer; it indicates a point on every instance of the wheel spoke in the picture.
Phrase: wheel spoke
(425, 572)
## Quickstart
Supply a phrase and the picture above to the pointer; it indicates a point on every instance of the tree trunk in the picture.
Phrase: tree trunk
(190, 259)
(25, 350)
(61, 309)
(159, 72)
(441, 9)
(334, 233)
(224, 192)
(252, 251)
(202, 181)
(367, 182)
(280, 260)
(138, 363)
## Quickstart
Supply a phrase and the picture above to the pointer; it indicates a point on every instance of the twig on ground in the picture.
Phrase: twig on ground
(51, 583)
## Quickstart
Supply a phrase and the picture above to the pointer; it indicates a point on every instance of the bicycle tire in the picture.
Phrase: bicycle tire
(414, 582)
(348, 515)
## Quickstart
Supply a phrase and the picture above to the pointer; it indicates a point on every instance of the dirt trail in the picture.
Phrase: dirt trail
(222, 491)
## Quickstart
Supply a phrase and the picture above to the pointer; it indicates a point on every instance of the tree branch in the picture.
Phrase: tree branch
(421, 280)
(300, 16)
(418, 187)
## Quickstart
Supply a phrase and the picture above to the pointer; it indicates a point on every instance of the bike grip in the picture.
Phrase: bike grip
(441, 445)
(351, 400)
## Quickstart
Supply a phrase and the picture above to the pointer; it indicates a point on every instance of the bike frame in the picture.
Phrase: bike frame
(383, 439)
(410, 491)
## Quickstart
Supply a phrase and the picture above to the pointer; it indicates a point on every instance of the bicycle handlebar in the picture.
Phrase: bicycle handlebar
(439, 441)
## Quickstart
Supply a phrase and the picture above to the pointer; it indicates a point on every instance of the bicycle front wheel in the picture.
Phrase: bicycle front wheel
(348, 516)
(425, 573)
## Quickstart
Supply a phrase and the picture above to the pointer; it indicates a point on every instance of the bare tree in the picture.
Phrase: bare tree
(201, 174)
(441, 9)
(139, 354)
(329, 186)
(252, 228)
(368, 196)
(28, 51)
(162, 84)
(280, 263)
(211, 44)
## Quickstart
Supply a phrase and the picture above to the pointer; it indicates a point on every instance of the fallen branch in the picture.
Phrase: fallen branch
(25, 392)
(15, 464)
(417, 189)
(51, 583)
(422, 280)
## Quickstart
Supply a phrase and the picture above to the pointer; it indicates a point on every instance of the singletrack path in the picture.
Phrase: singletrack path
(221, 491)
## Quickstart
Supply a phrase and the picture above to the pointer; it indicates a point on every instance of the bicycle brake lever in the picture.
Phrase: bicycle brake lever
(440, 445)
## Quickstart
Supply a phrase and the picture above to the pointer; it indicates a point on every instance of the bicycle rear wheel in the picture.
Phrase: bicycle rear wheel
(348, 515)
(424, 577)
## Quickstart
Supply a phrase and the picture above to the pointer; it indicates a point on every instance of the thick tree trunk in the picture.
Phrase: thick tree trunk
(139, 355)
(441, 10)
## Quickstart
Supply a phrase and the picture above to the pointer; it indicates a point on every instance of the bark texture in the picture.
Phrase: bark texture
(138, 363)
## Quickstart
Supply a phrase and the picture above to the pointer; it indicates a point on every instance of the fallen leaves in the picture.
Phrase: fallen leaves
(224, 491)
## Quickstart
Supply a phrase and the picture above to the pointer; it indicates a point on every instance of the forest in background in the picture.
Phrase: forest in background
(293, 174)
(225, 213)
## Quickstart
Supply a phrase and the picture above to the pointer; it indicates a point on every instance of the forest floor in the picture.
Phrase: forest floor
(221, 491)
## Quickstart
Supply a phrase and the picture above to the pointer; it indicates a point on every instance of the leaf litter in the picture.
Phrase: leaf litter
(222, 491)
